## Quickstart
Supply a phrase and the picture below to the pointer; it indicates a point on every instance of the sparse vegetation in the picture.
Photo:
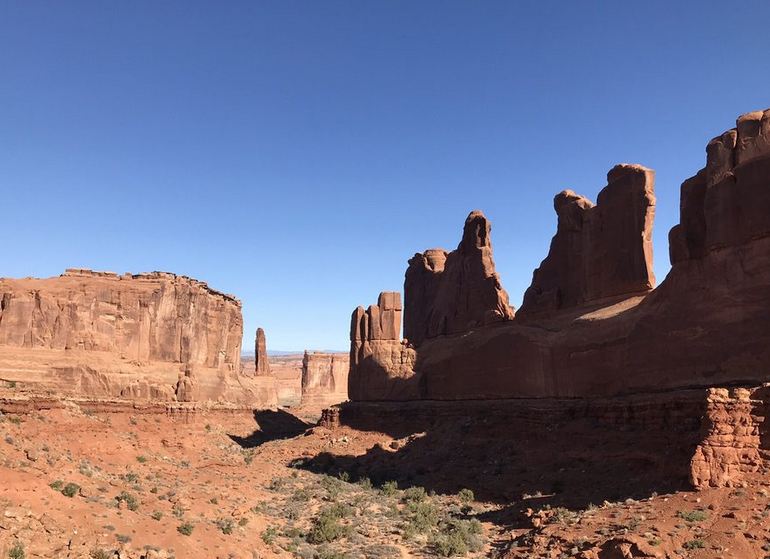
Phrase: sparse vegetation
(17, 551)
(327, 526)
(693, 515)
(129, 500)
(141, 459)
(70, 490)
(186, 528)
(225, 525)
(269, 534)
(694, 544)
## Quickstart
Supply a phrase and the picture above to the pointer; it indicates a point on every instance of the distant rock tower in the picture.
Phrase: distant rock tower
(261, 361)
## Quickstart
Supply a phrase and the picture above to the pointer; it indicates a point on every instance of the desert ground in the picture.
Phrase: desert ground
(79, 482)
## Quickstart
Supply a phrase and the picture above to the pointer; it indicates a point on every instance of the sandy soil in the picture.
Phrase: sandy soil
(243, 485)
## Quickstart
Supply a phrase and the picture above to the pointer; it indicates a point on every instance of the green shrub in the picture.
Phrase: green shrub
(466, 496)
(421, 516)
(327, 527)
(17, 551)
(414, 495)
(56, 485)
(693, 515)
(389, 488)
(457, 537)
(70, 490)
(226, 525)
(141, 459)
(694, 544)
(99, 553)
(186, 528)
(129, 500)
(157, 515)
(269, 535)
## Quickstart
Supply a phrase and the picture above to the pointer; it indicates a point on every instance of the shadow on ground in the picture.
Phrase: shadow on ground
(272, 425)
(524, 466)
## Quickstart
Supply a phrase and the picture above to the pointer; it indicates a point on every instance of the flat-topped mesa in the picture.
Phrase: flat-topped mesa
(381, 366)
(599, 251)
(261, 361)
(98, 334)
(324, 379)
(728, 202)
(451, 293)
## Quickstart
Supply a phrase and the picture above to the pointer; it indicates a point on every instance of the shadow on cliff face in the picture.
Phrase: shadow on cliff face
(523, 464)
(272, 425)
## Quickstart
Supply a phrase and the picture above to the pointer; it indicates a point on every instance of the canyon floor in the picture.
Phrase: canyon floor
(236, 484)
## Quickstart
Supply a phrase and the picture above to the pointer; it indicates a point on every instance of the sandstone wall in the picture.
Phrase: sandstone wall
(146, 317)
(449, 293)
(599, 251)
(381, 365)
(324, 379)
(155, 336)
(707, 324)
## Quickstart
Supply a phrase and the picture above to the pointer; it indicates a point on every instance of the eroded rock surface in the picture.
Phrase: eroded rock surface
(449, 293)
(103, 335)
(324, 379)
(602, 332)
(261, 361)
(599, 251)
(381, 365)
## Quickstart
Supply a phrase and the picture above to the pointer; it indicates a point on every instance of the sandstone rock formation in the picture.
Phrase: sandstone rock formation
(380, 364)
(146, 317)
(599, 251)
(261, 361)
(103, 335)
(706, 325)
(186, 386)
(449, 293)
(324, 379)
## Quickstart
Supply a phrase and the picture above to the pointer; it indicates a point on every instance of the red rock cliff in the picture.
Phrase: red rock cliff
(324, 379)
(154, 336)
(599, 251)
(595, 328)
(449, 293)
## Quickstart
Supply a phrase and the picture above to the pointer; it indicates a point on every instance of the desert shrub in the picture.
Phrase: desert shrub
(157, 515)
(414, 495)
(141, 459)
(226, 525)
(421, 517)
(123, 538)
(693, 515)
(70, 490)
(382, 551)
(131, 477)
(17, 551)
(389, 488)
(99, 553)
(56, 485)
(327, 527)
(694, 544)
(333, 486)
(457, 537)
(186, 528)
(466, 496)
(128, 499)
(365, 483)
(269, 534)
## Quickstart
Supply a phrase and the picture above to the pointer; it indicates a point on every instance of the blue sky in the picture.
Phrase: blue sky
(296, 154)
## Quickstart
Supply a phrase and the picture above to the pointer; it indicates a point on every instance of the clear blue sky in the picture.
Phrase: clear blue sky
(296, 154)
